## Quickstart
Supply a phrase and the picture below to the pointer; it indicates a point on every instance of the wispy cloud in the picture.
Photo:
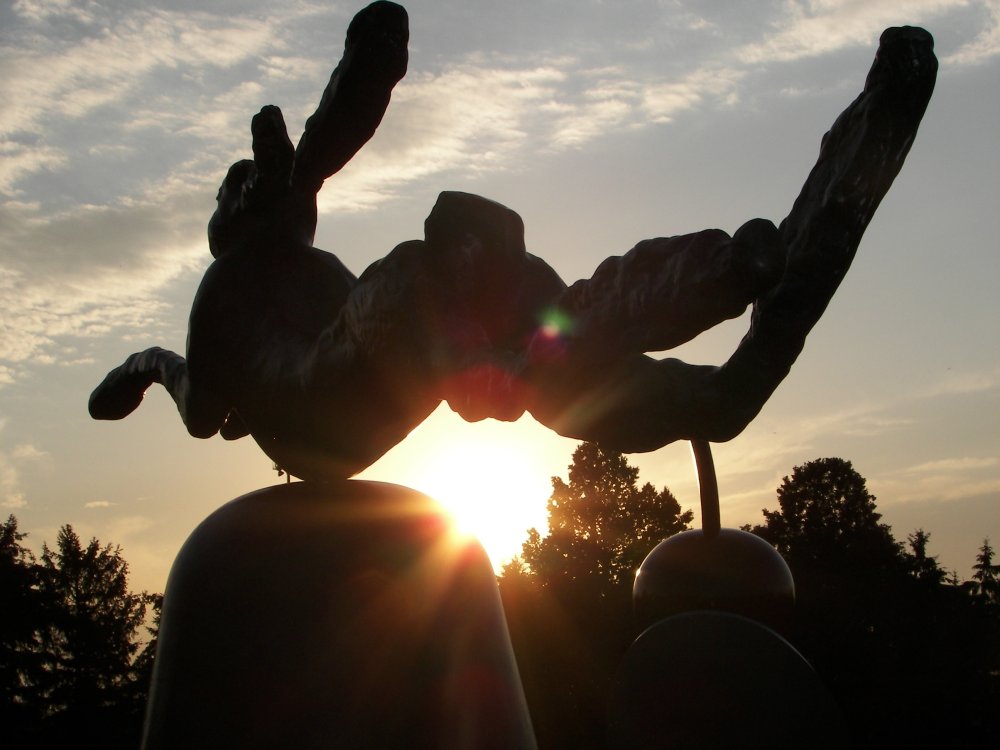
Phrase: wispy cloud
(88, 271)
(95, 504)
(953, 465)
(874, 418)
(947, 479)
(810, 28)
(664, 101)
(986, 43)
(12, 496)
(116, 59)
(961, 383)
(18, 160)
(604, 109)
(862, 419)
(90, 101)
(40, 10)
(473, 116)
(487, 115)
(118, 75)
(12, 500)
(27, 452)
(109, 98)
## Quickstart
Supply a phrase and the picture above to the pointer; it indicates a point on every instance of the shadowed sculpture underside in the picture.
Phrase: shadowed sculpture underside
(327, 371)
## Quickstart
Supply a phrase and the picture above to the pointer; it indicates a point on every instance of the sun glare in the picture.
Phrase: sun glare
(493, 478)
(491, 489)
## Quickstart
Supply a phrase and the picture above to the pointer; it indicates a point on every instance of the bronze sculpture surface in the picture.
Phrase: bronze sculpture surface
(328, 371)
(371, 624)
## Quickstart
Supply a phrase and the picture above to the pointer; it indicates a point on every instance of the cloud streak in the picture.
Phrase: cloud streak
(985, 45)
(810, 28)
(12, 496)
(953, 465)
(121, 121)
(92, 270)
(948, 479)
(117, 59)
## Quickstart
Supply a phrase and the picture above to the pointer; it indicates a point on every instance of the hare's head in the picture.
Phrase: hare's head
(258, 204)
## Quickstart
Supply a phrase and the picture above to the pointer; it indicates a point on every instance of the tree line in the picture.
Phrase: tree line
(910, 652)
(76, 645)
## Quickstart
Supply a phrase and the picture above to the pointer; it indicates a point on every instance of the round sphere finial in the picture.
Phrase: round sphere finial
(730, 571)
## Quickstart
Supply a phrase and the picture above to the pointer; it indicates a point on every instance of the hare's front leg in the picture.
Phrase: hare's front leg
(122, 390)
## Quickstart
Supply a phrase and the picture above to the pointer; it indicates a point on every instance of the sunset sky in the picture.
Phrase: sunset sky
(602, 124)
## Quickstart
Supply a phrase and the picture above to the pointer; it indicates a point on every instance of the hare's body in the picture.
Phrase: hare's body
(328, 371)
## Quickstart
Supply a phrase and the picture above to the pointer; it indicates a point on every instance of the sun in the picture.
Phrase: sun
(493, 478)
(490, 489)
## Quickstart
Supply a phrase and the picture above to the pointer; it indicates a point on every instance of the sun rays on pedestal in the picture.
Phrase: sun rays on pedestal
(492, 477)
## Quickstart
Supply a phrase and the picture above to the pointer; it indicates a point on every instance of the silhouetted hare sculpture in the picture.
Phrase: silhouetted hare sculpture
(328, 371)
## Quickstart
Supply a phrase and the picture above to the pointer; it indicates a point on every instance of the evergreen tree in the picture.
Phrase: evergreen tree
(143, 664)
(90, 644)
(986, 579)
(23, 610)
(895, 643)
(923, 567)
(72, 669)
(568, 597)
(601, 523)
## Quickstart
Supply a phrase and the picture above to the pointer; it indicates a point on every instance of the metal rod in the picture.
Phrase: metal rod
(708, 485)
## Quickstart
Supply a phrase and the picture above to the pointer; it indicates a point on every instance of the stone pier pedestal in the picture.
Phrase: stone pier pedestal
(341, 615)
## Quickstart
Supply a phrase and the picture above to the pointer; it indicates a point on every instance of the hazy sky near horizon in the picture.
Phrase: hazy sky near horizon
(602, 124)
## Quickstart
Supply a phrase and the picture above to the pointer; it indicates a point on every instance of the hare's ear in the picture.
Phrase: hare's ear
(357, 95)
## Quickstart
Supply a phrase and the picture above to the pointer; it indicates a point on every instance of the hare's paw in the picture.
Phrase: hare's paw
(119, 393)
(905, 60)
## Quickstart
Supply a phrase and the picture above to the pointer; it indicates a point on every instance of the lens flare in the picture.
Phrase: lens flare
(555, 324)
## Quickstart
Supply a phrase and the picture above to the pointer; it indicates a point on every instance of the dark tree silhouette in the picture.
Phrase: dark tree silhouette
(601, 523)
(826, 513)
(986, 579)
(90, 646)
(515, 569)
(568, 597)
(924, 567)
(142, 667)
(898, 646)
(73, 668)
(22, 609)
